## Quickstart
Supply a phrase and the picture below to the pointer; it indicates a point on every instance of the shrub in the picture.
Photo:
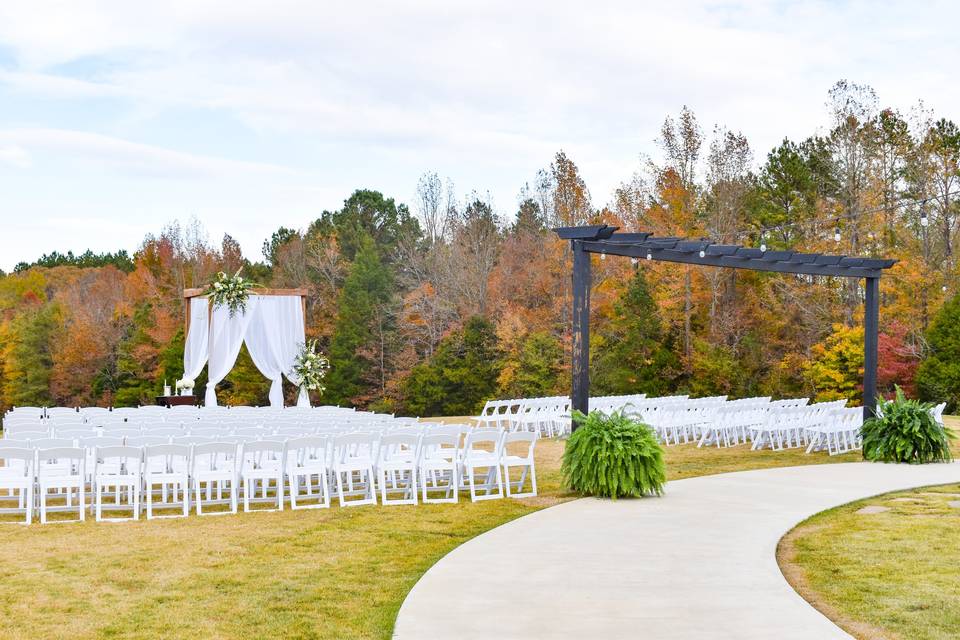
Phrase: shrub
(613, 457)
(905, 431)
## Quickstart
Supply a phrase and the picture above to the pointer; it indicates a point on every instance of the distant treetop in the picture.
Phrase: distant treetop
(121, 260)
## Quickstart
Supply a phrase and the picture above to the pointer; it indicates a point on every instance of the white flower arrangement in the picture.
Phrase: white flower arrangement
(230, 291)
(310, 367)
(184, 383)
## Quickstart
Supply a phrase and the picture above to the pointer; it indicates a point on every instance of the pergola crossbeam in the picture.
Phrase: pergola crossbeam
(604, 240)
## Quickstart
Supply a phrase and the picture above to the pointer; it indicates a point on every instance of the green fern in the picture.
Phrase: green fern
(905, 432)
(613, 457)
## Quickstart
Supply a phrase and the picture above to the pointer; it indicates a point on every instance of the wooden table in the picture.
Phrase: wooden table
(170, 401)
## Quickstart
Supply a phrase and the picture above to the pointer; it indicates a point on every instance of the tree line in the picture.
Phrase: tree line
(432, 308)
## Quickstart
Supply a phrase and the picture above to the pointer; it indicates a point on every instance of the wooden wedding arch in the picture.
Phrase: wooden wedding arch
(197, 292)
(604, 239)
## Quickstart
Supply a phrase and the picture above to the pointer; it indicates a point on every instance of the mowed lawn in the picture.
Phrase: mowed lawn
(336, 573)
(894, 574)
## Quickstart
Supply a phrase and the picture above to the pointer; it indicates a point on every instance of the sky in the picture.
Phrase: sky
(117, 118)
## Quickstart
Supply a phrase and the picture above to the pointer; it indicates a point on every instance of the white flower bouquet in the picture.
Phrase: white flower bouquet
(310, 367)
(230, 291)
(184, 386)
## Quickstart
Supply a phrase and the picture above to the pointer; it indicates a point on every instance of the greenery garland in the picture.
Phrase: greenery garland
(230, 291)
(310, 367)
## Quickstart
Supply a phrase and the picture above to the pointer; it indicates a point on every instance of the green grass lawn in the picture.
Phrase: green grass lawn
(894, 574)
(336, 573)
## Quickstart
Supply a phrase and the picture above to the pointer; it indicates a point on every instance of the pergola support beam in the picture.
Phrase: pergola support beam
(580, 392)
(871, 330)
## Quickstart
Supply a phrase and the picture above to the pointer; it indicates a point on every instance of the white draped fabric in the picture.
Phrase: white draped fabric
(274, 337)
(195, 347)
(272, 328)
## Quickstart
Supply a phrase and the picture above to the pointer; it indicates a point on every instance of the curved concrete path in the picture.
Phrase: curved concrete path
(698, 563)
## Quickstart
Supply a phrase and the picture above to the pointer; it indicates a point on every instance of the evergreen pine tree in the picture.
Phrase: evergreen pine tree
(633, 353)
(460, 377)
(354, 361)
(938, 378)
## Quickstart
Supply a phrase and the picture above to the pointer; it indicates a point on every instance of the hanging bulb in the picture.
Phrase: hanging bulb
(603, 256)
(763, 242)
(836, 232)
(924, 220)
(649, 257)
(702, 253)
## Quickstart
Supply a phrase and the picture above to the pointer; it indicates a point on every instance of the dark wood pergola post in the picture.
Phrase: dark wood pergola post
(602, 239)
(871, 331)
(580, 392)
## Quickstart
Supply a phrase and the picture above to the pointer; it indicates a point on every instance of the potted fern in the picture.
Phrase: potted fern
(613, 456)
(905, 430)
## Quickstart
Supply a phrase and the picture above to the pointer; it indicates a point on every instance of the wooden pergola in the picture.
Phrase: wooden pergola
(604, 239)
(196, 292)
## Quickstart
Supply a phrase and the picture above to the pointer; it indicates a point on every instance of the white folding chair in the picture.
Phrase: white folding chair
(306, 461)
(64, 470)
(16, 476)
(167, 465)
(481, 450)
(214, 464)
(439, 466)
(117, 467)
(397, 459)
(262, 461)
(524, 461)
(353, 466)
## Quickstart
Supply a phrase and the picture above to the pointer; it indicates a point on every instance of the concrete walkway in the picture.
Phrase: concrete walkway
(698, 563)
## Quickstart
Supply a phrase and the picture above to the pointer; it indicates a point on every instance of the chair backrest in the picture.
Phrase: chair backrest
(74, 454)
(307, 447)
(21, 455)
(527, 437)
(51, 443)
(95, 442)
(492, 437)
(129, 457)
(395, 446)
(167, 450)
(142, 441)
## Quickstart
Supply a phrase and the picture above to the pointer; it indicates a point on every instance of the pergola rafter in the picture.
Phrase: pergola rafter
(604, 239)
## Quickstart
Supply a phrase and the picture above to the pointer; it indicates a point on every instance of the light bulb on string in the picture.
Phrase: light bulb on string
(763, 242)
(836, 232)
(649, 257)
(603, 256)
(924, 220)
(702, 253)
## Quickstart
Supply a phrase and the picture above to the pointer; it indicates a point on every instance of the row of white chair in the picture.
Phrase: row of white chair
(414, 463)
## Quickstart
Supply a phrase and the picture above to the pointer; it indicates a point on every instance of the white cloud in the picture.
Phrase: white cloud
(14, 156)
(132, 157)
(332, 96)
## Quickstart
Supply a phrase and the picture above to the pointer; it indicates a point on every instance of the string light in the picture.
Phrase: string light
(649, 257)
(702, 253)
(603, 256)
(836, 231)
(905, 202)
(763, 242)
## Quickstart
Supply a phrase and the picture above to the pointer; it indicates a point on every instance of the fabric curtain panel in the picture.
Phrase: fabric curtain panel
(226, 337)
(274, 337)
(196, 346)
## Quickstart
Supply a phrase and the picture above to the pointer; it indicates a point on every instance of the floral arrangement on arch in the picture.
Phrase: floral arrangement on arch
(230, 291)
(310, 367)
